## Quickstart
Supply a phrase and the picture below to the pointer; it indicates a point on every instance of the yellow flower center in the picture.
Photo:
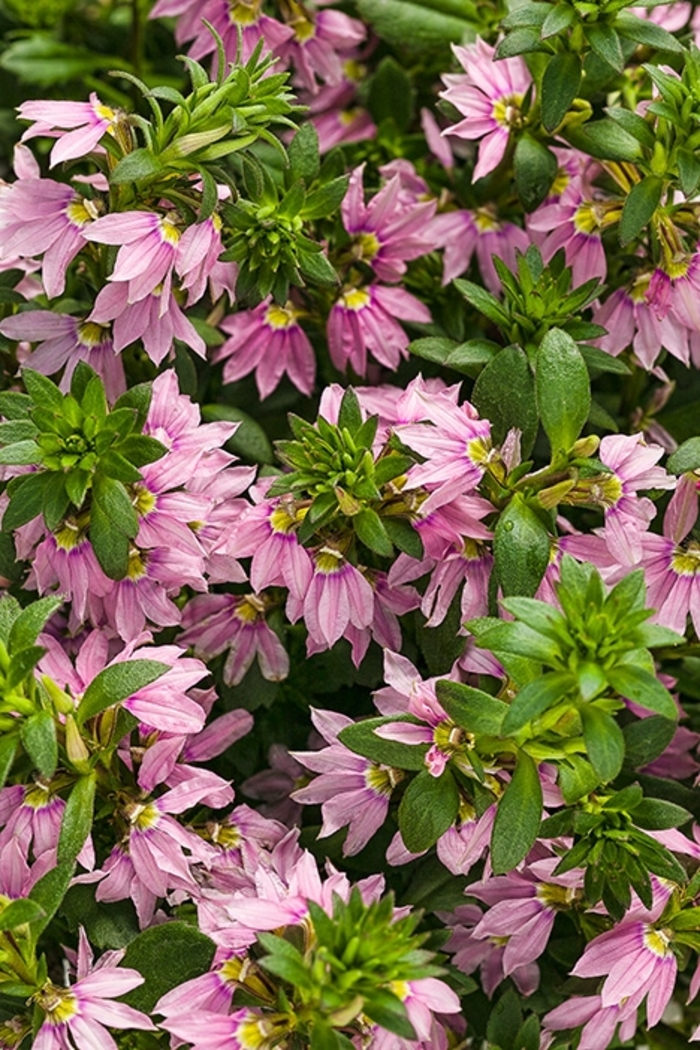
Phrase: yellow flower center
(228, 836)
(282, 316)
(282, 521)
(557, 897)
(382, 781)
(80, 211)
(658, 942)
(38, 795)
(485, 220)
(92, 334)
(561, 181)
(137, 564)
(59, 1004)
(355, 299)
(506, 111)
(169, 230)
(347, 116)
(368, 244)
(244, 12)
(142, 500)
(250, 609)
(686, 562)
(142, 815)
(329, 560)
(71, 532)
(104, 112)
(640, 287)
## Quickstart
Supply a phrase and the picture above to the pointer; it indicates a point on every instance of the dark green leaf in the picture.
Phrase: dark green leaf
(646, 739)
(38, 736)
(362, 739)
(534, 699)
(560, 85)
(517, 818)
(387, 1010)
(606, 140)
(576, 778)
(535, 171)
(117, 683)
(140, 164)
(505, 394)
(562, 388)
(655, 814)
(166, 956)
(604, 741)
(505, 1021)
(644, 31)
(686, 457)
(325, 201)
(640, 204)
(77, 819)
(27, 626)
(391, 94)
(606, 44)
(481, 300)
(41, 390)
(470, 708)
(8, 749)
(633, 124)
(370, 530)
(303, 153)
(403, 535)
(643, 688)
(521, 549)
(428, 808)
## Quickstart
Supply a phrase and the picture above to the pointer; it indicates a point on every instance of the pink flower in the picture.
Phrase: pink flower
(353, 791)
(244, 1029)
(463, 233)
(43, 217)
(79, 126)
(364, 319)
(469, 954)
(320, 40)
(215, 622)
(599, 1022)
(388, 231)
(575, 223)
(74, 1017)
(64, 341)
(270, 341)
(267, 532)
(631, 321)
(156, 320)
(631, 462)
(455, 442)
(636, 959)
(490, 96)
(338, 596)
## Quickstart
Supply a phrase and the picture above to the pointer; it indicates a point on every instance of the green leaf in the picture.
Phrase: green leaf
(141, 164)
(412, 26)
(686, 458)
(387, 1010)
(391, 94)
(166, 956)
(560, 85)
(303, 154)
(562, 389)
(519, 42)
(284, 961)
(560, 17)
(22, 663)
(114, 502)
(598, 361)
(655, 814)
(38, 736)
(535, 170)
(8, 749)
(140, 449)
(22, 454)
(362, 739)
(317, 268)
(505, 1021)
(428, 808)
(505, 394)
(481, 300)
(19, 912)
(470, 708)
(646, 739)
(107, 925)
(249, 441)
(604, 741)
(519, 639)
(576, 778)
(403, 535)
(605, 140)
(117, 683)
(369, 528)
(643, 688)
(138, 399)
(41, 390)
(26, 500)
(606, 44)
(350, 413)
(26, 627)
(521, 549)
(644, 31)
(534, 699)
(468, 358)
(688, 170)
(326, 200)
(640, 204)
(633, 124)
(17, 430)
(49, 891)
(113, 522)
(77, 819)
(517, 818)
